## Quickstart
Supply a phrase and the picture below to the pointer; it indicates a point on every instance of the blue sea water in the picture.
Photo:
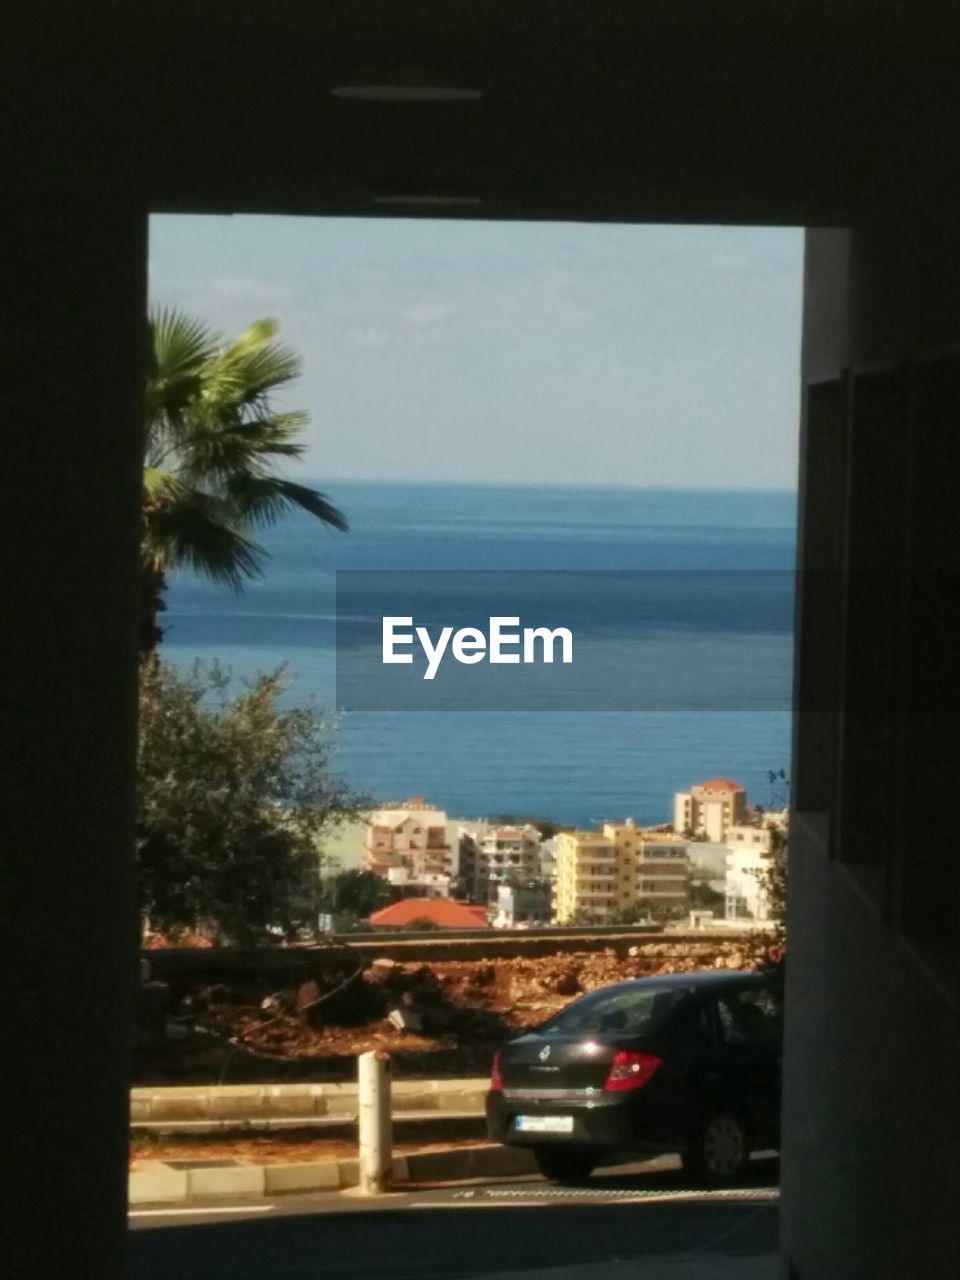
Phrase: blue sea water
(573, 766)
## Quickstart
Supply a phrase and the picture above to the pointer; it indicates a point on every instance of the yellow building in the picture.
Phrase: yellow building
(654, 865)
(600, 874)
(588, 880)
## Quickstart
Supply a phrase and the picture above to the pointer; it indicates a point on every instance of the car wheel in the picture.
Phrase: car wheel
(563, 1165)
(721, 1151)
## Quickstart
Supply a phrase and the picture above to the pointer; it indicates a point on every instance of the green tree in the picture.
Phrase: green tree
(235, 795)
(214, 441)
(355, 893)
(773, 880)
(767, 947)
(635, 913)
(701, 897)
(582, 916)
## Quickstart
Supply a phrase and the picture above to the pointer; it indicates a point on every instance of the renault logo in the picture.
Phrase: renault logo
(545, 1053)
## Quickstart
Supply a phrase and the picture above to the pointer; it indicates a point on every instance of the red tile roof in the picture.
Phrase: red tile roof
(721, 784)
(445, 914)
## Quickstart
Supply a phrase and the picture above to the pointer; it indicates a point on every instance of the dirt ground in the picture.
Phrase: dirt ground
(446, 1018)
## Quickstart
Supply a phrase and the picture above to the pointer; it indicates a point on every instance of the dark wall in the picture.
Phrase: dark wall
(73, 268)
(871, 1122)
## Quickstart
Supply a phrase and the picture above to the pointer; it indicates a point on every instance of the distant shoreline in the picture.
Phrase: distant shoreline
(577, 485)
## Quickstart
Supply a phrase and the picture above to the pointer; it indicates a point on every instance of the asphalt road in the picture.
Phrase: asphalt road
(647, 1217)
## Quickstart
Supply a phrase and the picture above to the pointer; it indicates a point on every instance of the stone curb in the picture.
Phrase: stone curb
(283, 1124)
(162, 1184)
(246, 1101)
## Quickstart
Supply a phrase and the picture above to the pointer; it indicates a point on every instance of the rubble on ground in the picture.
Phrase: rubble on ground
(447, 1016)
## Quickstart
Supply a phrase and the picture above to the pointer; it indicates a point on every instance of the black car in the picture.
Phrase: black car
(687, 1063)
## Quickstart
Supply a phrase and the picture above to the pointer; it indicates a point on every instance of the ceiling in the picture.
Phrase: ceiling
(780, 111)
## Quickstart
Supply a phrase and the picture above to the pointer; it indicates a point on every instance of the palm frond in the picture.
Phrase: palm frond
(160, 486)
(267, 370)
(256, 335)
(180, 349)
(253, 365)
(213, 440)
(180, 341)
(200, 530)
(211, 450)
(275, 434)
(263, 499)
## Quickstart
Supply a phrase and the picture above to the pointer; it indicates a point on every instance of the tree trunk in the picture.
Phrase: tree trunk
(153, 584)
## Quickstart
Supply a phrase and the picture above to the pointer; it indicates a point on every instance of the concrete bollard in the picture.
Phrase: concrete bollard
(375, 1122)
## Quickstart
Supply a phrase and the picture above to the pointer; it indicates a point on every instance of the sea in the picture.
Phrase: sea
(577, 765)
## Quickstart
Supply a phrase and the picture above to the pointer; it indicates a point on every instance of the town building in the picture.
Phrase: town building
(473, 877)
(492, 855)
(750, 846)
(593, 878)
(748, 835)
(600, 874)
(745, 892)
(662, 877)
(548, 859)
(709, 809)
(707, 863)
(654, 864)
(408, 845)
(521, 906)
(511, 853)
(425, 884)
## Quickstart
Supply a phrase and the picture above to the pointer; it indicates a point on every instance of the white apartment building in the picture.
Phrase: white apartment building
(708, 863)
(709, 809)
(746, 896)
(523, 906)
(425, 884)
(494, 855)
(511, 852)
(548, 859)
(747, 863)
(745, 836)
(466, 837)
(410, 841)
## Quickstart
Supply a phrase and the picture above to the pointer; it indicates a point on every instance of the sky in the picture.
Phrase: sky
(550, 353)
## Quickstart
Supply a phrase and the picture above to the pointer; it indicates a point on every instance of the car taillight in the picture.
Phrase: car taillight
(630, 1070)
(496, 1079)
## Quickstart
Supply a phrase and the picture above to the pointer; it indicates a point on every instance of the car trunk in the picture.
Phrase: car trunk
(551, 1062)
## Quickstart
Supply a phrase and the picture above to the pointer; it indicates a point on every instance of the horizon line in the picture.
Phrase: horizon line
(555, 484)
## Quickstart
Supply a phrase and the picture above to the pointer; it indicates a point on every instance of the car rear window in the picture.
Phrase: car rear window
(751, 1017)
(628, 1011)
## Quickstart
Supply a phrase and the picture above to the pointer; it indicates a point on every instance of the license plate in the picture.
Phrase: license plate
(543, 1124)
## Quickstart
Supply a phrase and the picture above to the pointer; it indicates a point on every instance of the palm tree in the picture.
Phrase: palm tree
(213, 441)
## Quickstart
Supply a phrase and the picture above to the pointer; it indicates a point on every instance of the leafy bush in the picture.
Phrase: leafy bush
(235, 794)
(355, 893)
